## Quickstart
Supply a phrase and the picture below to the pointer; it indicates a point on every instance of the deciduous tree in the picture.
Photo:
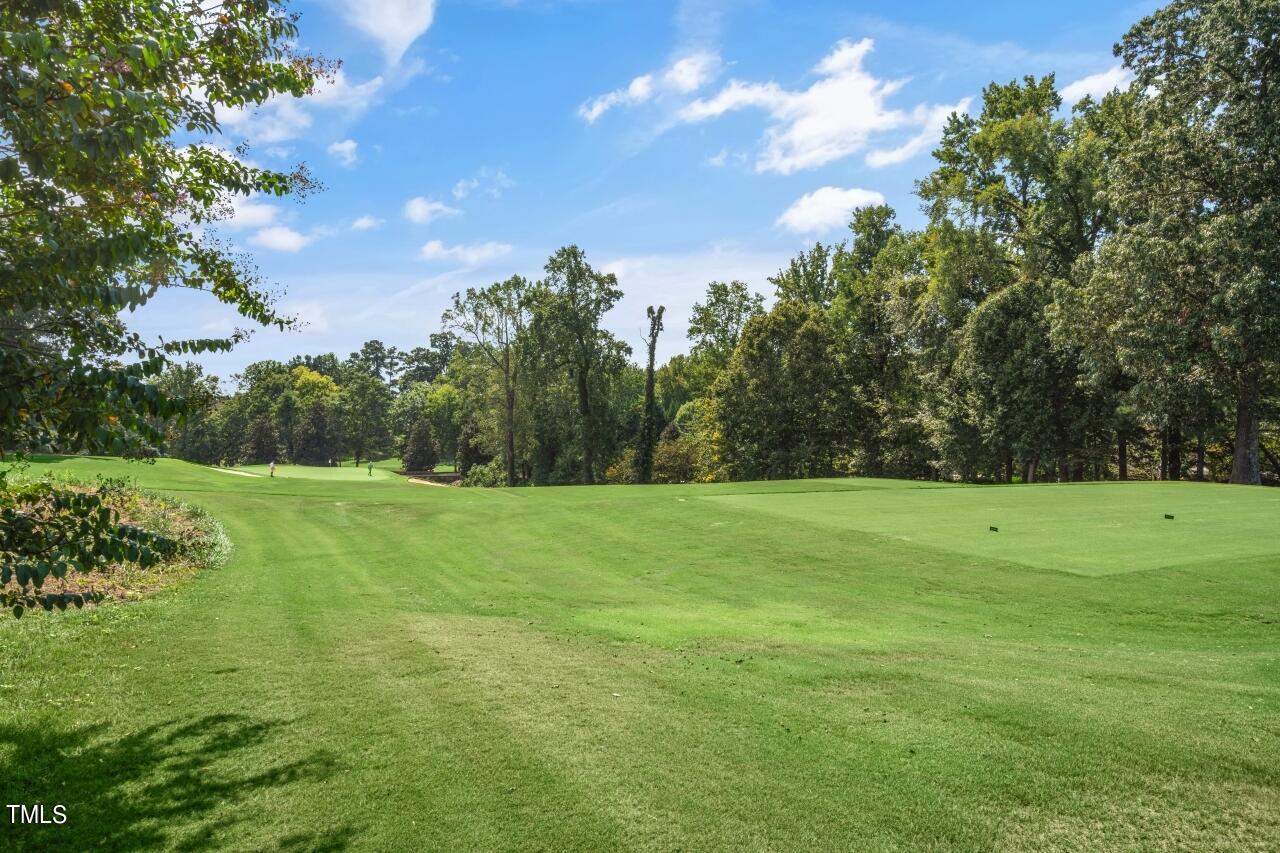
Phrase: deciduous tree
(1191, 283)
(494, 319)
(571, 301)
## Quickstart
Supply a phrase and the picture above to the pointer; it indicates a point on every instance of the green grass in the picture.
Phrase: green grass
(313, 472)
(844, 665)
(1085, 528)
(382, 469)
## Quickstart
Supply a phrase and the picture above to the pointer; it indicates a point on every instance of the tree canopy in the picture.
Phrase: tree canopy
(103, 206)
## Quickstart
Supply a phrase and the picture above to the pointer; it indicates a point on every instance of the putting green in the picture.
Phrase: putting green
(320, 472)
(820, 665)
(1085, 528)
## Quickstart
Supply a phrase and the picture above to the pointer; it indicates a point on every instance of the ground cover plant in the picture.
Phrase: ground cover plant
(827, 664)
(132, 544)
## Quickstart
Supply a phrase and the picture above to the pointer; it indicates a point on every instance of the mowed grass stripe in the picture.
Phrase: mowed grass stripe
(395, 704)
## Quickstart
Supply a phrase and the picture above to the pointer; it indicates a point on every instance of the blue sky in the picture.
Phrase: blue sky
(676, 142)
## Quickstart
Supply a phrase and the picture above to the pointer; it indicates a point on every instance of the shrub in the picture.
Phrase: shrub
(689, 449)
(623, 469)
(137, 543)
(491, 474)
(419, 452)
(675, 460)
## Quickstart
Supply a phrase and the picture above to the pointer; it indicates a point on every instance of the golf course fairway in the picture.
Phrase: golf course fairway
(802, 665)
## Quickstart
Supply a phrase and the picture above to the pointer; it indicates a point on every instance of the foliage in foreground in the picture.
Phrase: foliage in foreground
(67, 544)
(102, 208)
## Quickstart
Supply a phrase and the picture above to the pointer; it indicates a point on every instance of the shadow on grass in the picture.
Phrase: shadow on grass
(182, 785)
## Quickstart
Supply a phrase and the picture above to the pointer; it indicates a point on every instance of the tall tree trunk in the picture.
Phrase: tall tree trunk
(1246, 466)
(648, 429)
(1164, 452)
(1200, 457)
(511, 434)
(644, 470)
(584, 412)
(1122, 455)
(1175, 451)
(1008, 467)
(462, 456)
(509, 387)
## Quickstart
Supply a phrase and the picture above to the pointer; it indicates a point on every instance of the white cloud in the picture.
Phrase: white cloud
(467, 255)
(934, 120)
(833, 118)
(637, 92)
(492, 182)
(725, 157)
(826, 209)
(248, 212)
(366, 223)
(278, 119)
(344, 151)
(691, 73)
(1096, 85)
(423, 210)
(464, 187)
(677, 281)
(339, 93)
(314, 316)
(393, 24)
(220, 326)
(683, 76)
(280, 238)
(641, 88)
(285, 117)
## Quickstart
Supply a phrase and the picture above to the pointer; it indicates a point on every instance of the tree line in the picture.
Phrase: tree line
(1095, 294)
